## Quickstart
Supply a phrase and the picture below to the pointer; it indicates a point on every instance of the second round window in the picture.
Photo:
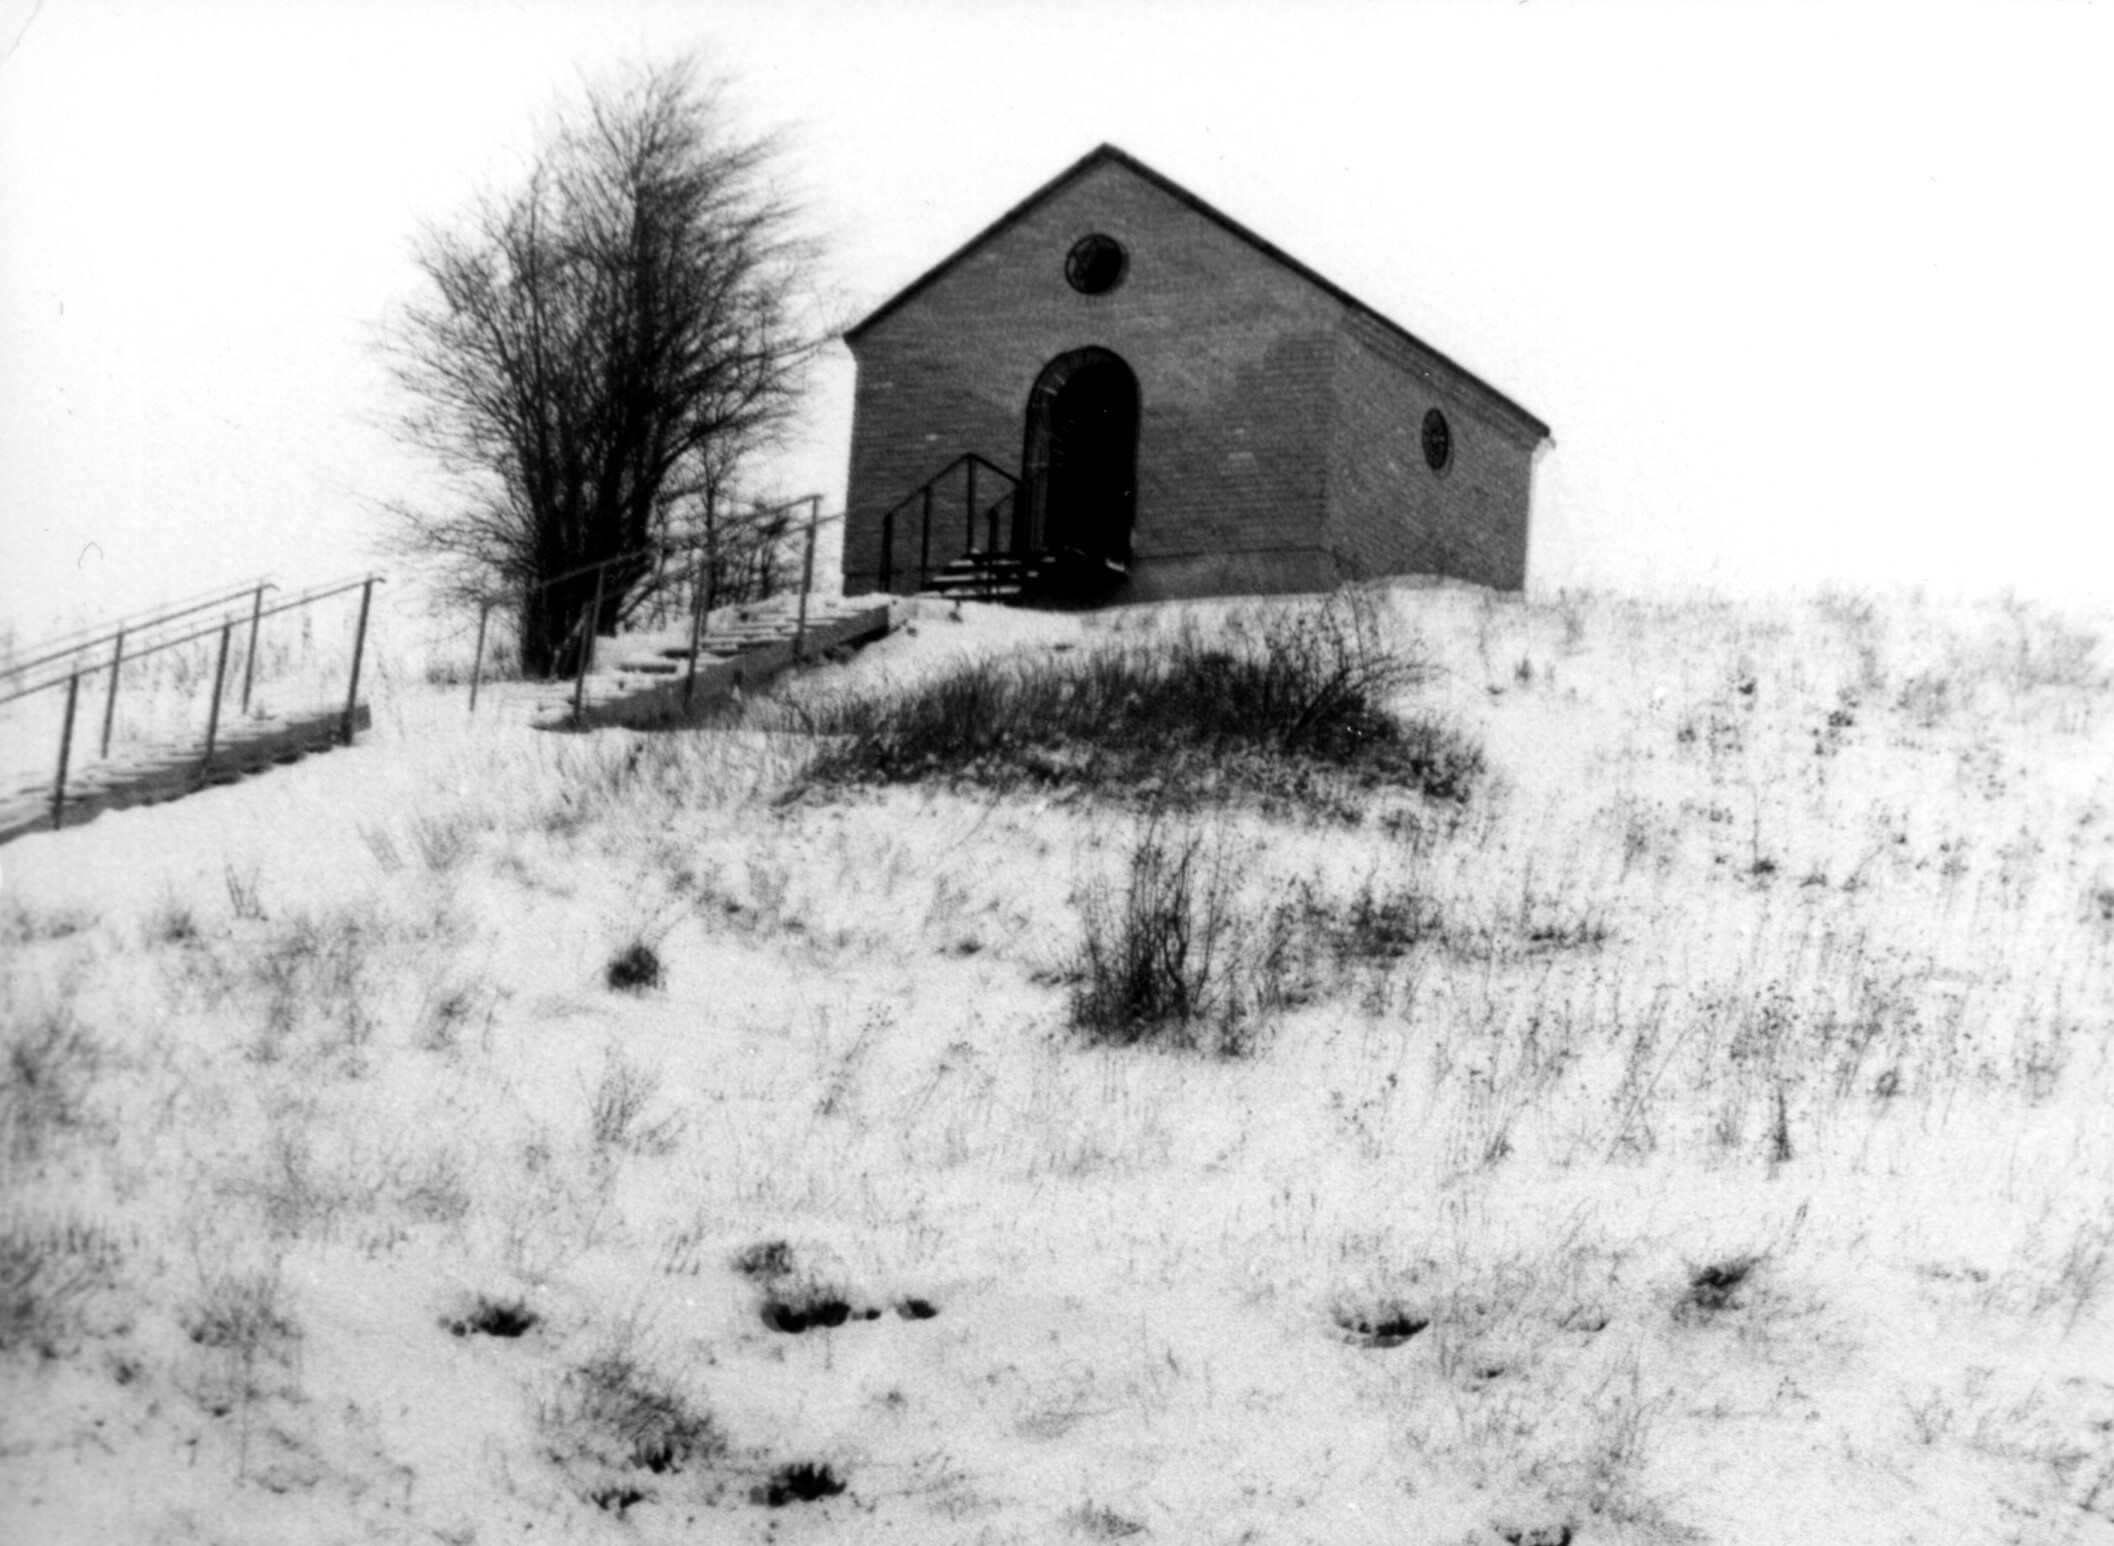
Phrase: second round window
(1438, 441)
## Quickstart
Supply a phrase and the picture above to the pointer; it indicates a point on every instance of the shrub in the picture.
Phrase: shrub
(1309, 688)
(1153, 957)
(1169, 956)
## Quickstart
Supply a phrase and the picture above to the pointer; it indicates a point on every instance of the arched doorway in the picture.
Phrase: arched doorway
(1079, 464)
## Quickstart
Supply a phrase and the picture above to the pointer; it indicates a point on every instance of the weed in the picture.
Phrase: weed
(19, 925)
(173, 922)
(615, 1499)
(49, 1269)
(617, 1110)
(1439, 759)
(634, 969)
(436, 1189)
(442, 844)
(318, 967)
(2086, 1268)
(1155, 960)
(243, 895)
(1780, 1127)
(837, 1086)
(1381, 926)
(1098, 1522)
(50, 1063)
(494, 1317)
(1932, 1418)
(238, 1311)
(616, 1411)
(1712, 1287)
(382, 845)
(802, 1482)
(765, 1260)
(810, 1310)
(448, 1010)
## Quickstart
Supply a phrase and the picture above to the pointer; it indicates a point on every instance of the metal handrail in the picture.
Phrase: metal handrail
(658, 552)
(59, 648)
(652, 550)
(90, 668)
(225, 626)
(969, 461)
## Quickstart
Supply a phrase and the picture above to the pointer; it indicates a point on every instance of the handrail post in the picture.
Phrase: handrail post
(249, 659)
(593, 631)
(925, 541)
(588, 623)
(888, 551)
(711, 552)
(484, 615)
(58, 784)
(117, 659)
(580, 675)
(697, 619)
(807, 577)
(971, 535)
(359, 645)
(220, 675)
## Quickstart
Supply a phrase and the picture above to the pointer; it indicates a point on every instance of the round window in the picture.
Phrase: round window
(1095, 264)
(1438, 441)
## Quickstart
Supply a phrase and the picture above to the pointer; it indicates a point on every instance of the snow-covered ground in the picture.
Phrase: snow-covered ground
(1734, 1131)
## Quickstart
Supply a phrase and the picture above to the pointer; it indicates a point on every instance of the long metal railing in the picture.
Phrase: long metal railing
(70, 646)
(65, 666)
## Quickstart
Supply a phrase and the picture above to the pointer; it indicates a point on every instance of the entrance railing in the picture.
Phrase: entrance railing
(973, 509)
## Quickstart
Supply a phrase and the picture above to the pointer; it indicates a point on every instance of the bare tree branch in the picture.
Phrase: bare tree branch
(598, 353)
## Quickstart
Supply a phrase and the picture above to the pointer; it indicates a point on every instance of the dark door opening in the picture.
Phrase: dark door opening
(1080, 461)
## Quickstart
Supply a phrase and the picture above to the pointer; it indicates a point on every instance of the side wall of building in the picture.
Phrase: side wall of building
(1388, 511)
(1237, 361)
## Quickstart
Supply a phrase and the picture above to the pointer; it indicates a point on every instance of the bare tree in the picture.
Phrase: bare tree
(598, 353)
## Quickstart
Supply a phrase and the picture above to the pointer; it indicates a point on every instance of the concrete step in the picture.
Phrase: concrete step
(149, 775)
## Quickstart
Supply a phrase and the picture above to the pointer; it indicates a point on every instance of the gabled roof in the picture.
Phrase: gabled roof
(1109, 154)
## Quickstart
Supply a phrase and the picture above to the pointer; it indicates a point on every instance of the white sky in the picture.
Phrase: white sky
(1807, 293)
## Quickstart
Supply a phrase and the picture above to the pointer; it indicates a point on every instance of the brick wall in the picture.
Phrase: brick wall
(1388, 511)
(1235, 358)
(1278, 442)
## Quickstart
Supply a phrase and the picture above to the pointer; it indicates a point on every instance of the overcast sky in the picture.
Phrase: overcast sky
(1807, 293)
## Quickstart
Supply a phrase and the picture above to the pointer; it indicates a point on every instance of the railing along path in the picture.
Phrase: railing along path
(64, 661)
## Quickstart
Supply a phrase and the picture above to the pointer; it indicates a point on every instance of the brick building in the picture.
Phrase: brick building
(1116, 392)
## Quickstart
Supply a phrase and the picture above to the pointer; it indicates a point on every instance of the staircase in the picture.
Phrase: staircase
(1057, 577)
(998, 560)
(1003, 577)
(644, 679)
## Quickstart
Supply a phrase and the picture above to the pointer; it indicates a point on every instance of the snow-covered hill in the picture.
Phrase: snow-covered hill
(1700, 1135)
